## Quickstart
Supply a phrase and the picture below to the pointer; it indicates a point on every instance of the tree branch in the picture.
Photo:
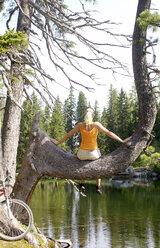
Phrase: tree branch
(5, 81)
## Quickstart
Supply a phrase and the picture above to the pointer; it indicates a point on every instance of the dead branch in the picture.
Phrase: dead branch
(74, 185)
(5, 81)
(61, 29)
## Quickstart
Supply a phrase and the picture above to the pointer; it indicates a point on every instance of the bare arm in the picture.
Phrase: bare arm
(100, 127)
(67, 135)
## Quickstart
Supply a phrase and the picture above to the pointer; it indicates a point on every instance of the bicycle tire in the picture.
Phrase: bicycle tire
(23, 214)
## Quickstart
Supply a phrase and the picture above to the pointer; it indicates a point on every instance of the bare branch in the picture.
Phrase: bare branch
(74, 185)
(63, 31)
(28, 96)
(10, 16)
(5, 81)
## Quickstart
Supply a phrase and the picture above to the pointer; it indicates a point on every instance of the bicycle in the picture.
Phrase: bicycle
(19, 214)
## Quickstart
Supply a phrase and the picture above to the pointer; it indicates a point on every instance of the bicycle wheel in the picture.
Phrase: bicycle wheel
(20, 222)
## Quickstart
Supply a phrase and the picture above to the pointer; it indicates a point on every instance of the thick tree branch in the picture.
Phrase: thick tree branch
(45, 158)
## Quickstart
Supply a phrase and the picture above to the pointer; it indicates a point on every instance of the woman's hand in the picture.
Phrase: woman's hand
(54, 141)
(127, 139)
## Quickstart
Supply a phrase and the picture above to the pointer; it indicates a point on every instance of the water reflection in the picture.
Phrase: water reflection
(126, 215)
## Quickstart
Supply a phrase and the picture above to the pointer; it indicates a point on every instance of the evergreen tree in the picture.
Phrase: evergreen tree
(112, 117)
(123, 119)
(89, 105)
(46, 120)
(112, 112)
(81, 108)
(57, 130)
(96, 111)
(30, 109)
(65, 112)
(156, 129)
(133, 102)
(70, 116)
(103, 138)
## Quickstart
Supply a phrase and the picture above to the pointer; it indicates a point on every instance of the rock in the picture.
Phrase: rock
(139, 173)
(129, 169)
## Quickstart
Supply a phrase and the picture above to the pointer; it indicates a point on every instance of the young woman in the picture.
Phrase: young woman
(89, 148)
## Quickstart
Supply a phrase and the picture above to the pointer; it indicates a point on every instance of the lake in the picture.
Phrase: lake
(126, 215)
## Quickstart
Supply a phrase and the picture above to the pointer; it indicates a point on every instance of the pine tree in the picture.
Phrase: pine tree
(156, 129)
(65, 112)
(46, 120)
(70, 116)
(81, 108)
(96, 111)
(112, 116)
(123, 119)
(103, 138)
(30, 109)
(57, 130)
(133, 102)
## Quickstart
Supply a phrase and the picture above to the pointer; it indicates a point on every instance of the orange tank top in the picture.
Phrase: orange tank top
(89, 139)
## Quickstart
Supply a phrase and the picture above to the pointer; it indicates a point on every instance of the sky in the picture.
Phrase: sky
(119, 11)
(123, 12)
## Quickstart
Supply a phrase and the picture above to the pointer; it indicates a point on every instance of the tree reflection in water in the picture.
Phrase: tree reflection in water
(120, 217)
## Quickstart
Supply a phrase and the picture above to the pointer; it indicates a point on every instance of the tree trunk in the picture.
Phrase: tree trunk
(44, 158)
(10, 134)
(146, 99)
(11, 126)
(12, 117)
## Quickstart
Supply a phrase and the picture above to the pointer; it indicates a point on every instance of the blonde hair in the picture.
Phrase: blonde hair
(88, 116)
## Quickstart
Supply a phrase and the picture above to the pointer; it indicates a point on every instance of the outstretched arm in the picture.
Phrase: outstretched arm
(111, 134)
(67, 135)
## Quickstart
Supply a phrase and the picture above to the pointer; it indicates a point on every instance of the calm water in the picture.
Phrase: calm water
(124, 216)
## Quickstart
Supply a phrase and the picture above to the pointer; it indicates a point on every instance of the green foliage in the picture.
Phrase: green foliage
(152, 162)
(133, 111)
(26, 120)
(70, 117)
(1, 5)
(145, 160)
(12, 39)
(112, 111)
(123, 120)
(147, 19)
(156, 129)
(156, 167)
(112, 117)
(96, 111)
(102, 138)
(81, 108)
(57, 130)
(46, 119)
(120, 116)
(70, 45)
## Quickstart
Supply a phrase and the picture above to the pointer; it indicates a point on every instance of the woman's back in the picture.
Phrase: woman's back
(89, 135)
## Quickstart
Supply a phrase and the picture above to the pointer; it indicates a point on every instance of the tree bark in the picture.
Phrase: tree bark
(11, 126)
(12, 117)
(44, 158)
(146, 99)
